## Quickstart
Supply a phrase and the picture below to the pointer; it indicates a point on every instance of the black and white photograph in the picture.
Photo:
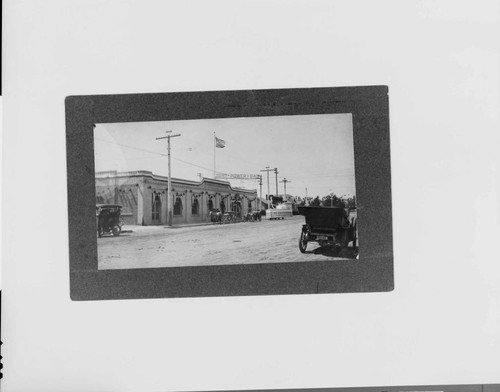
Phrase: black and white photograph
(225, 191)
(251, 192)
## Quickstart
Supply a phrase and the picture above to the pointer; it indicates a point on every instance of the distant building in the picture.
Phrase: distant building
(143, 196)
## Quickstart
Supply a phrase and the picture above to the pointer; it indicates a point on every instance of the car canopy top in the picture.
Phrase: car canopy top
(106, 206)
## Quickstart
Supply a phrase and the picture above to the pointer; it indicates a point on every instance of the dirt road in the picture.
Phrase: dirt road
(236, 243)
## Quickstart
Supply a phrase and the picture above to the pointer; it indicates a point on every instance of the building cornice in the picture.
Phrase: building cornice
(175, 181)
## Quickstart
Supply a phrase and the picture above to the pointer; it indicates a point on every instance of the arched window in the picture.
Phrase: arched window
(210, 205)
(195, 207)
(156, 208)
(178, 206)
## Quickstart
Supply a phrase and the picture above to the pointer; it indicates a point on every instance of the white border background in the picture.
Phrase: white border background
(441, 325)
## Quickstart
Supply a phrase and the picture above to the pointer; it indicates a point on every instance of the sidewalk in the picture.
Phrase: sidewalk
(141, 229)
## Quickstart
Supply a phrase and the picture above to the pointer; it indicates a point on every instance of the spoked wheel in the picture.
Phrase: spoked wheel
(117, 230)
(303, 242)
(100, 232)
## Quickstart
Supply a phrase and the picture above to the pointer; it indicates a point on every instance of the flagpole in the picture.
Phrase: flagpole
(214, 155)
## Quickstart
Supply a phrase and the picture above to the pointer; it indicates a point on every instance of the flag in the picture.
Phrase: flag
(219, 143)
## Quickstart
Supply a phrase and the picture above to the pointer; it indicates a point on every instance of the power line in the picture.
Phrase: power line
(285, 181)
(267, 169)
(304, 177)
(153, 152)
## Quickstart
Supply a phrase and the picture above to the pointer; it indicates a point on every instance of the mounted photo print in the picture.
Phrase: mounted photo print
(229, 193)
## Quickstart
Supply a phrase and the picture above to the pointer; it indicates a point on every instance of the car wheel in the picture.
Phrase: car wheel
(303, 242)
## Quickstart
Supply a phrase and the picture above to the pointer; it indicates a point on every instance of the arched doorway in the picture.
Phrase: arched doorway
(222, 206)
(156, 209)
(236, 208)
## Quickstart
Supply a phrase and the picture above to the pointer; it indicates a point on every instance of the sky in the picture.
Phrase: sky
(311, 151)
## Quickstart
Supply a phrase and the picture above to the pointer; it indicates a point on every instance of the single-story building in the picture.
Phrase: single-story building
(143, 196)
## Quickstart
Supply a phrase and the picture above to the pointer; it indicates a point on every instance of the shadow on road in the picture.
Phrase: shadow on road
(112, 236)
(334, 251)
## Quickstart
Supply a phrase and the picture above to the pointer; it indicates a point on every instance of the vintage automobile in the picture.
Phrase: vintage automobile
(215, 215)
(333, 226)
(108, 219)
(230, 217)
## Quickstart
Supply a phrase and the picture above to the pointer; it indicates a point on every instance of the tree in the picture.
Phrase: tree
(351, 202)
(333, 200)
(316, 202)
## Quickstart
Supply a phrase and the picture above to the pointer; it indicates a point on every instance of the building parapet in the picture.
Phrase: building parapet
(156, 177)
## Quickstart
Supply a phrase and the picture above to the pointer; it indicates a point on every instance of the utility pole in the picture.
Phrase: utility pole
(260, 185)
(276, 172)
(267, 170)
(169, 190)
(284, 182)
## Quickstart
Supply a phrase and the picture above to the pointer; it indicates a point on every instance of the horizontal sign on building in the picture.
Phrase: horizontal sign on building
(225, 176)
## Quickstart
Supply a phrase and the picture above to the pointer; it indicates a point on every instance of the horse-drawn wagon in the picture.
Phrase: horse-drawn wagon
(253, 216)
(334, 226)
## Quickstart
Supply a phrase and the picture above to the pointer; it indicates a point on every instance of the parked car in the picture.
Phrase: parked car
(108, 218)
(330, 226)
